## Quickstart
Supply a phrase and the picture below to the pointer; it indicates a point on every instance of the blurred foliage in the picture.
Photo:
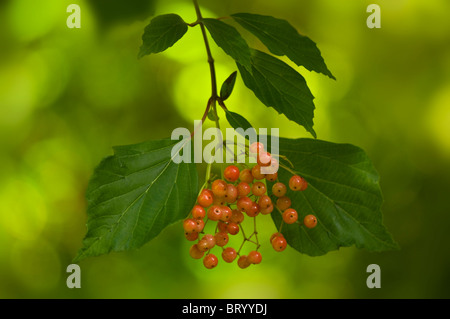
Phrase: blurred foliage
(68, 95)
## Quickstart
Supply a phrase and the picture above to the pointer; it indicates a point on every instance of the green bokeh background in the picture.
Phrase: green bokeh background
(68, 95)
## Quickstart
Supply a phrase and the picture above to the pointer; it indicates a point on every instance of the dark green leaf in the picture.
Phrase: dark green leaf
(343, 193)
(237, 121)
(134, 194)
(228, 86)
(281, 38)
(162, 32)
(278, 85)
(229, 39)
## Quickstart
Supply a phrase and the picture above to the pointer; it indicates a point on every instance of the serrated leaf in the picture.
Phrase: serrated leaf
(278, 85)
(229, 40)
(228, 86)
(134, 194)
(162, 33)
(281, 38)
(343, 193)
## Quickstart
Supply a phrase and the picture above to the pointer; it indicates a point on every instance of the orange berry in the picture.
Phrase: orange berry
(264, 159)
(210, 261)
(198, 212)
(196, 253)
(219, 188)
(256, 148)
(279, 243)
(279, 189)
(297, 183)
(246, 176)
(231, 173)
(290, 216)
(254, 257)
(229, 254)
(205, 198)
(258, 189)
(283, 203)
(310, 221)
(256, 172)
(243, 262)
(215, 213)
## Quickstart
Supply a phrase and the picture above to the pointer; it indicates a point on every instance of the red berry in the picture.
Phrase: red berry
(215, 213)
(210, 240)
(256, 148)
(229, 254)
(246, 176)
(231, 194)
(237, 216)
(221, 239)
(198, 212)
(256, 172)
(258, 189)
(279, 243)
(277, 234)
(243, 189)
(254, 257)
(272, 177)
(274, 164)
(264, 201)
(226, 213)
(231, 173)
(205, 198)
(189, 225)
(200, 225)
(203, 245)
(244, 204)
(264, 159)
(297, 183)
(283, 203)
(210, 261)
(254, 210)
(290, 216)
(279, 189)
(233, 228)
(222, 227)
(310, 221)
(219, 188)
(219, 201)
(243, 262)
(191, 236)
(195, 252)
(267, 210)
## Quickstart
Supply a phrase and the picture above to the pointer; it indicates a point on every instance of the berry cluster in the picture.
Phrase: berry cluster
(229, 200)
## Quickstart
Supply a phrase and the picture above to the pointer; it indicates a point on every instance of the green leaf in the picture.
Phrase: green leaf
(228, 86)
(237, 121)
(343, 193)
(134, 194)
(229, 39)
(162, 33)
(278, 85)
(281, 38)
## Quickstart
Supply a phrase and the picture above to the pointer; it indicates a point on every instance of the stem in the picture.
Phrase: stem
(214, 97)
(208, 52)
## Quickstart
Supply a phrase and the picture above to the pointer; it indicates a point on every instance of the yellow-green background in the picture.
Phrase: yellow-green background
(68, 95)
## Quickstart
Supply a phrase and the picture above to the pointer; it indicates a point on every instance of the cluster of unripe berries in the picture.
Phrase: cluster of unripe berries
(240, 193)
